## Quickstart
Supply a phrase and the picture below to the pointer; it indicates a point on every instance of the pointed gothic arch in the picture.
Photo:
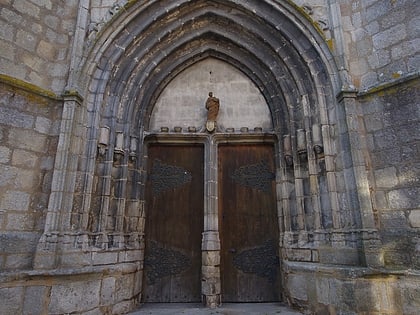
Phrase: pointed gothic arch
(130, 63)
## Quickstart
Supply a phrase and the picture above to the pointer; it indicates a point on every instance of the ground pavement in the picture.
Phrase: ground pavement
(225, 309)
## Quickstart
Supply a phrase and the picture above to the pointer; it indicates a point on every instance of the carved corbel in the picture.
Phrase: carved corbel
(317, 139)
(287, 147)
(103, 141)
(301, 145)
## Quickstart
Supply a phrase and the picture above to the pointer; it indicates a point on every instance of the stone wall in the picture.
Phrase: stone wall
(351, 290)
(29, 123)
(111, 290)
(392, 116)
(35, 41)
(381, 38)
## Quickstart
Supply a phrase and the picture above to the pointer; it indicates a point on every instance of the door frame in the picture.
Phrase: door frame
(210, 245)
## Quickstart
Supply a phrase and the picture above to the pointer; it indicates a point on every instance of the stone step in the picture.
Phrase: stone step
(226, 308)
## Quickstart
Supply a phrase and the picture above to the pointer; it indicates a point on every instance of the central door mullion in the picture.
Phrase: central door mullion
(211, 289)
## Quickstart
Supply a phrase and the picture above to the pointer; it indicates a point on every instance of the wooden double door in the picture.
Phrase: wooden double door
(248, 223)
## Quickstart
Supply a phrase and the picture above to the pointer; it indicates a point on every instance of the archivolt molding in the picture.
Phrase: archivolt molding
(144, 47)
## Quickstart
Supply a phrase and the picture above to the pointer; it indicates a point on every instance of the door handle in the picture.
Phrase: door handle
(232, 250)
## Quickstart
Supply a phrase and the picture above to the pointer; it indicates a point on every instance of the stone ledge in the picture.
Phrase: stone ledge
(28, 87)
(382, 87)
(347, 271)
(23, 275)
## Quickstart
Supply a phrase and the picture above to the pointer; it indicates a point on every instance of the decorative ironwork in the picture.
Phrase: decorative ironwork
(262, 260)
(162, 262)
(258, 176)
(165, 177)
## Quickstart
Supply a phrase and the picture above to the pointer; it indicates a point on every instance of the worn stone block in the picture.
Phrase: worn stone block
(11, 300)
(10, 16)
(297, 285)
(131, 255)
(211, 258)
(297, 254)
(396, 258)
(74, 297)
(15, 200)
(210, 271)
(405, 198)
(22, 158)
(5, 153)
(411, 296)
(393, 219)
(18, 261)
(26, 179)
(18, 242)
(380, 200)
(327, 290)
(210, 287)
(123, 307)
(108, 291)
(340, 256)
(20, 221)
(15, 118)
(43, 125)
(386, 178)
(28, 140)
(104, 258)
(35, 300)
(124, 287)
(7, 32)
(414, 218)
(26, 40)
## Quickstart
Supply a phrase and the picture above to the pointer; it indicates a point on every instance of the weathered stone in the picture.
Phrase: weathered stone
(15, 118)
(124, 287)
(25, 159)
(407, 198)
(211, 258)
(414, 218)
(411, 297)
(27, 242)
(100, 258)
(122, 307)
(19, 221)
(27, 140)
(15, 200)
(386, 178)
(26, 40)
(74, 297)
(34, 302)
(340, 256)
(108, 291)
(26, 7)
(4, 154)
(297, 285)
(11, 300)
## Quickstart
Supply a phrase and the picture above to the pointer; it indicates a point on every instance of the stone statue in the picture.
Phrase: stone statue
(212, 106)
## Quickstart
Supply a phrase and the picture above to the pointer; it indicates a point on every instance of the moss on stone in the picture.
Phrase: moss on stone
(28, 87)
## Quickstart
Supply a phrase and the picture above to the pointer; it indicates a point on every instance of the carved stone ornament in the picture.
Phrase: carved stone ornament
(166, 177)
(161, 262)
(210, 125)
(258, 176)
(261, 260)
